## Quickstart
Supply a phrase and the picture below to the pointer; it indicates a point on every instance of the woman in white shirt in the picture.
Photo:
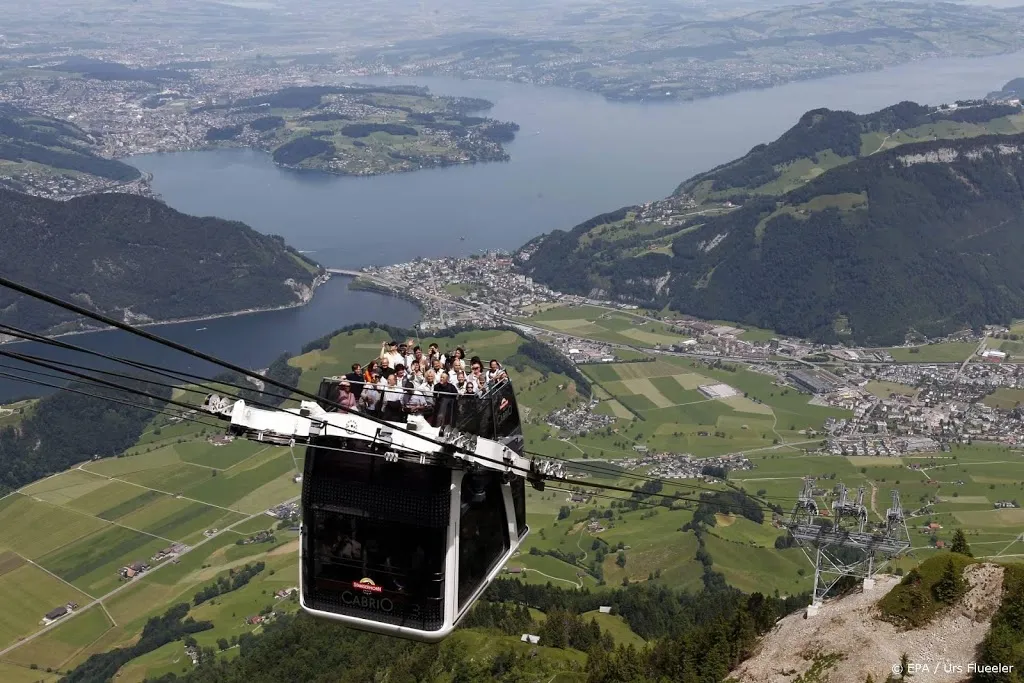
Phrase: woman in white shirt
(389, 350)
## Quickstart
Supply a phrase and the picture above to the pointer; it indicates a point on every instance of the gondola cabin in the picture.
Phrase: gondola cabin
(404, 523)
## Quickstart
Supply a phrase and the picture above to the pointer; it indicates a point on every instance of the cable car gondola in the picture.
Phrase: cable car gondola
(404, 524)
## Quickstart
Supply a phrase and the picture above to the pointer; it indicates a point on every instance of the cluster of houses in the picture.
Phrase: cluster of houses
(265, 536)
(684, 465)
(284, 511)
(172, 551)
(579, 419)
(134, 569)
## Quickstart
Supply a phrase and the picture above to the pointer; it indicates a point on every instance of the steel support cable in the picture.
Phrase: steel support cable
(107, 320)
(109, 373)
(75, 308)
(155, 369)
(112, 399)
(95, 380)
(583, 465)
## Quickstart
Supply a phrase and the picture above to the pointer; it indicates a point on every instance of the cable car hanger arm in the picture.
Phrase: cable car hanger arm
(310, 423)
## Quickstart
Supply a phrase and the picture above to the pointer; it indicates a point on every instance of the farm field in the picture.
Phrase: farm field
(13, 673)
(601, 324)
(26, 588)
(943, 352)
(673, 415)
(884, 389)
(1005, 398)
(84, 524)
(57, 647)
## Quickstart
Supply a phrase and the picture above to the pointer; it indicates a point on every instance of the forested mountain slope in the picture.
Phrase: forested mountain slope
(138, 260)
(840, 229)
(700, 637)
(929, 236)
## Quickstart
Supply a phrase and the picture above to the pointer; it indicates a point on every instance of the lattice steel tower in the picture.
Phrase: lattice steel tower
(848, 544)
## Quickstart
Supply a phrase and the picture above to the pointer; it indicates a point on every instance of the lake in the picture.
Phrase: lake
(575, 156)
(252, 340)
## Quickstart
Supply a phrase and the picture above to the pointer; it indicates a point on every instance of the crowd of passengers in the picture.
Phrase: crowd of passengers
(406, 381)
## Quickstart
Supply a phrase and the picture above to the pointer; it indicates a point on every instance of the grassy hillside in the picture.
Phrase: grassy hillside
(919, 598)
(173, 485)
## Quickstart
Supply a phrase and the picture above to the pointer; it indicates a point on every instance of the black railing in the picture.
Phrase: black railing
(492, 414)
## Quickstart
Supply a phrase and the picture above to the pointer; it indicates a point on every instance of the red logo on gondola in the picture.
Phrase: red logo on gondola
(503, 404)
(367, 585)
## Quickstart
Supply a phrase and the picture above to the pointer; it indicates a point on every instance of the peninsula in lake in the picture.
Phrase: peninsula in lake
(360, 130)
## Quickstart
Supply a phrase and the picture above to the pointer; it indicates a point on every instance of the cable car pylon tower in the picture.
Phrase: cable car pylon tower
(847, 544)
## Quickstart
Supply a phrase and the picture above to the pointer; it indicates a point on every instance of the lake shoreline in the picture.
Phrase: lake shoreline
(319, 281)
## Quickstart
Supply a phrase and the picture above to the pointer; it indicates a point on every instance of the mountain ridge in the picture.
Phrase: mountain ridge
(801, 238)
(138, 260)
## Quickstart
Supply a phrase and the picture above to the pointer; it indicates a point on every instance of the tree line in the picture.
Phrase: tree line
(233, 581)
(158, 631)
(700, 637)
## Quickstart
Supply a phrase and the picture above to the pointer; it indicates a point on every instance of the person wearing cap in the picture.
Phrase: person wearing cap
(346, 398)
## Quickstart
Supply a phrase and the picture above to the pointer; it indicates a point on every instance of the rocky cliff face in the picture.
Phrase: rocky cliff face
(847, 641)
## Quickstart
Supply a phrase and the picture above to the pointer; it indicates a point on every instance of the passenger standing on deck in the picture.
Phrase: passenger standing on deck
(389, 350)
(446, 395)
(406, 351)
(418, 357)
(369, 400)
(355, 379)
(386, 369)
(393, 400)
(373, 367)
(496, 373)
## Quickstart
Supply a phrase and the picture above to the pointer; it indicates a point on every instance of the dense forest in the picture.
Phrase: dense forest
(136, 258)
(1014, 89)
(216, 134)
(65, 428)
(700, 638)
(887, 242)
(302, 148)
(101, 70)
(937, 247)
(25, 136)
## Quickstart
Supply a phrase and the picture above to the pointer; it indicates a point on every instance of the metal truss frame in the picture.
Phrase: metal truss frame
(846, 530)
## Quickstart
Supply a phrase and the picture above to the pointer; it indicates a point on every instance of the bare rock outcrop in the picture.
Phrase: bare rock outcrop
(847, 640)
